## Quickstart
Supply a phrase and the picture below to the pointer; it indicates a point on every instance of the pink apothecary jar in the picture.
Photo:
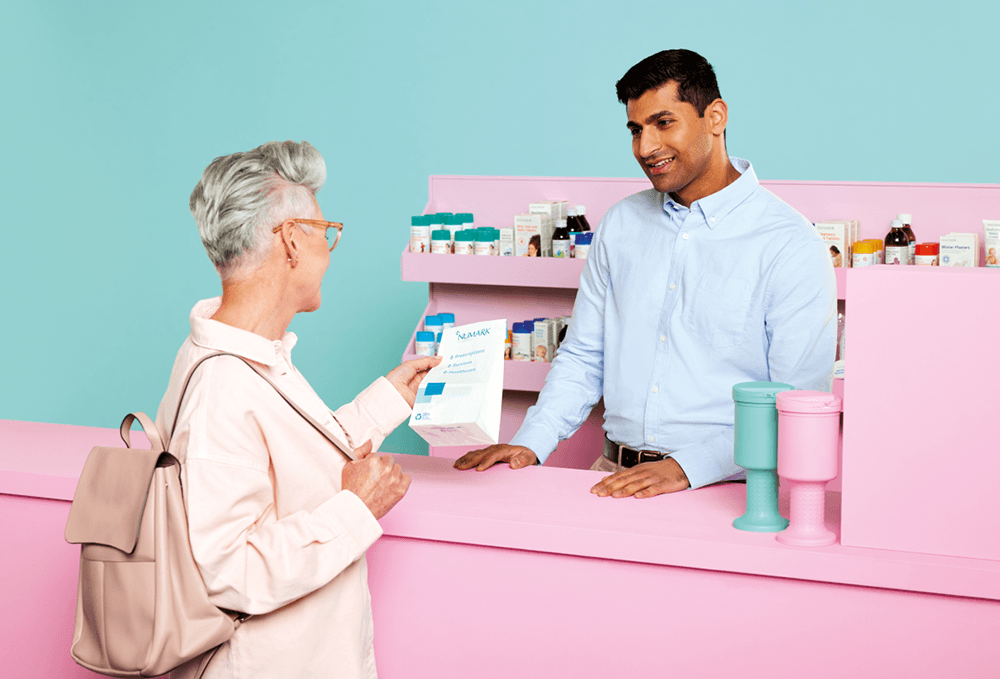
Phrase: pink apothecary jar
(808, 435)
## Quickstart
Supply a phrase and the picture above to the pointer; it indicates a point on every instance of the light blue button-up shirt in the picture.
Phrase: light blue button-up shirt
(677, 305)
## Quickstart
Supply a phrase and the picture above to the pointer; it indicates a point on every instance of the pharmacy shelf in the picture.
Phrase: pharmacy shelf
(517, 375)
(536, 272)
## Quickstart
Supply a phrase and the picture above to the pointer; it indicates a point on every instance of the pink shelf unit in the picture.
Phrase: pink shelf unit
(482, 288)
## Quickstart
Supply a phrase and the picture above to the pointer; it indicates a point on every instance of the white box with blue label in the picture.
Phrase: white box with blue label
(458, 402)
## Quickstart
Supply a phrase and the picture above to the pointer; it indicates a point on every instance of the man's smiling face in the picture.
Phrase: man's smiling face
(671, 142)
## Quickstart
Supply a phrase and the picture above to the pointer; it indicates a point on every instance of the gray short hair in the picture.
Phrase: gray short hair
(242, 196)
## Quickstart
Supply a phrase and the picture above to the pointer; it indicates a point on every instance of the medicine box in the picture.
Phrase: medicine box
(991, 231)
(550, 211)
(544, 344)
(507, 241)
(959, 249)
(527, 227)
(837, 235)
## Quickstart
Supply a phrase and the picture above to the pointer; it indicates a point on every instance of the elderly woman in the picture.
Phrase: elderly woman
(279, 519)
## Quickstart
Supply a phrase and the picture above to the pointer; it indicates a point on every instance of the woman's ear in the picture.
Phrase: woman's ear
(288, 241)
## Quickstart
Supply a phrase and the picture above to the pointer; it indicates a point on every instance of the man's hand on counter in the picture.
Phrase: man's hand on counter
(644, 480)
(483, 459)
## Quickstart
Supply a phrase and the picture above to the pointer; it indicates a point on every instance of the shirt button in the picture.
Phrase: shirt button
(655, 389)
(712, 219)
(663, 338)
(652, 439)
(686, 236)
(672, 286)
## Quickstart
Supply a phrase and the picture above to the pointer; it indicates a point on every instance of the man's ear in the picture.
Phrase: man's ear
(718, 117)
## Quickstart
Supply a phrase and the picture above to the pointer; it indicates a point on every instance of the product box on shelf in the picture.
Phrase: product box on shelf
(838, 235)
(991, 231)
(959, 249)
(530, 235)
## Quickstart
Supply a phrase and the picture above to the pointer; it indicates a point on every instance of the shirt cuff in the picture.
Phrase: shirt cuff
(702, 468)
(384, 405)
(539, 442)
(351, 520)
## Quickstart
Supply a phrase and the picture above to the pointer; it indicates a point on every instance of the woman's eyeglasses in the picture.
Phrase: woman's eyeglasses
(331, 239)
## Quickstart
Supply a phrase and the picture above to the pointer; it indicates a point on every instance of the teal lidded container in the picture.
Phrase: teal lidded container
(755, 447)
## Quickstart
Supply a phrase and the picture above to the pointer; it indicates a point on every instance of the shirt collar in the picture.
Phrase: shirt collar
(221, 337)
(719, 204)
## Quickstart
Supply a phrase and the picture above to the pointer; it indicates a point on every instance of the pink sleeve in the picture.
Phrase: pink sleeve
(373, 414)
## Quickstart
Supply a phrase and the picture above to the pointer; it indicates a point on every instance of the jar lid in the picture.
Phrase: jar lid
(447, 317)
(926, 249)
(808, 402)
(433, 319)
(441, 234)
(758, 392)
(465, 235)
(905, 217)
(425, 336)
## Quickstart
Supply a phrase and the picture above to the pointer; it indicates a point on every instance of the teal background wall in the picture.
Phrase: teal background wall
(111, 111)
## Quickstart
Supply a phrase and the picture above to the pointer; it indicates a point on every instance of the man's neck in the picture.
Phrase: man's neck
(720, 175)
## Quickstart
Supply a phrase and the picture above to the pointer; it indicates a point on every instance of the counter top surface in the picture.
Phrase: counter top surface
(551, 510)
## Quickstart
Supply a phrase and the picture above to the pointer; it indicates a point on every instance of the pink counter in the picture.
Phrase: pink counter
(525, 573)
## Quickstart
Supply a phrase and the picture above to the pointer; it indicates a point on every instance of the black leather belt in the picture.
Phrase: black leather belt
(627, 457)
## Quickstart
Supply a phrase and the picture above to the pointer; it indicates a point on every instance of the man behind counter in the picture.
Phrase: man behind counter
(702, 282)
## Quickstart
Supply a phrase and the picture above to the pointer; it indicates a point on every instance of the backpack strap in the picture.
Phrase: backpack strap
(148, 426)
(306, 416)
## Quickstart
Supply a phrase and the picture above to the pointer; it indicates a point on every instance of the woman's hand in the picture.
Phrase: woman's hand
(375, 479)
(408, 376)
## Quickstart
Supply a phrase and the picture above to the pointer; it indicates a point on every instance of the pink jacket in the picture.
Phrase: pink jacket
(271, 530)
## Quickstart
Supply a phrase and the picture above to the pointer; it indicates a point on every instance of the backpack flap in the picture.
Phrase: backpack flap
(110, 497)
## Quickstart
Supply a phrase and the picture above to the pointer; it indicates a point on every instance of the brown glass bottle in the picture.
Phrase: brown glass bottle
(907, 220)
(897, 245)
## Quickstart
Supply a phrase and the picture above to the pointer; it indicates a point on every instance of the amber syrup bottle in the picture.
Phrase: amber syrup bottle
(897, 245)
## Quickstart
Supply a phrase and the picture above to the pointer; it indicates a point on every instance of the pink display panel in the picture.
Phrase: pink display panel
(921, 451)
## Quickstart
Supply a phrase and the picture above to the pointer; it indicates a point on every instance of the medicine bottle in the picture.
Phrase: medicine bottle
(581, 215)
(420, 234)
(521, 341)
(926, 254)
(432, 323)
(435, 221)
(897, 245)
(466, 219)
(447, 320)
(863, 254)
(560, 240)
(573, 226)
(907, 220)
(441, 242)
(484, 241)
(583, 241)
(424, 343)
(465, 242)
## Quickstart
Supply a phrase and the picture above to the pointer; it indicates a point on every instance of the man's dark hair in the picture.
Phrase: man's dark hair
(696, 83)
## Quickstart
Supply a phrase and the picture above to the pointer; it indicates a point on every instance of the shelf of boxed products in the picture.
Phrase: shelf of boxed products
(475, 306)
(536, 272)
